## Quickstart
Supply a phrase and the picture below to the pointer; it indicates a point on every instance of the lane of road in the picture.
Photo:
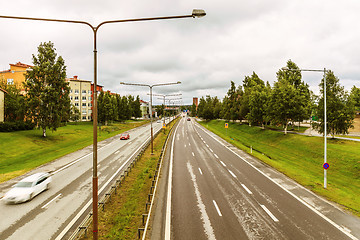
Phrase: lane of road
(46, 216)
(218, 195)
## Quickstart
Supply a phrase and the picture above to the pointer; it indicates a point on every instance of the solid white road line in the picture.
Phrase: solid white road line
(200, 171)
(223, 163)
(232, 173)
(246, 189)
(51, 201)
(168, 201)
(217, 208)
(269, 213)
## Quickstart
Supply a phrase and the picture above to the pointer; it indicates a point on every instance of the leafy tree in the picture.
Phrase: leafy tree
(340, 107)
(290, 98)
(74, 114)
(15, 106)
(231, 103)
(47, 91)
(193, 112)
(355, 95)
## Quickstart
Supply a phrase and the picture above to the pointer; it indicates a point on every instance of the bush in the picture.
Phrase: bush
(16, 126)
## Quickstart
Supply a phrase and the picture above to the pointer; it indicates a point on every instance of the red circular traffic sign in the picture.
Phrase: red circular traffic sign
(326, 166)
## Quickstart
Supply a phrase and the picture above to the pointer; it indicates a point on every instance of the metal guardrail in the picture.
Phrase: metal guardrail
(82, 229)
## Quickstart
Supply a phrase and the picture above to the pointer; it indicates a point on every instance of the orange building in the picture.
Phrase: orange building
(15, 75)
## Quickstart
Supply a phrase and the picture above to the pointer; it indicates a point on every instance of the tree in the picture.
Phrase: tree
(355, 96)
(290, 99)
(136, 108)
(15, 107)
(47, 91)
(74, 114)
(340, 107)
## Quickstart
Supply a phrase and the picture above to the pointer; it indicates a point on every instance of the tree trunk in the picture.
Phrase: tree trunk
(44, 132)
(286, 125)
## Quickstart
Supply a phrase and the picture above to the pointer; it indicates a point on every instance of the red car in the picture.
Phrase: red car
(124, 136)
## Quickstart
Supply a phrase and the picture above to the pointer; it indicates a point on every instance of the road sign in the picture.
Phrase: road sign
(326, 166)
(226, 125)
(164, 125)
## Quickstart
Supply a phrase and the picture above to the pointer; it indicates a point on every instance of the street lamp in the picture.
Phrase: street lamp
(325, 120)
(196, 13)
(164, 96)
(150, 110)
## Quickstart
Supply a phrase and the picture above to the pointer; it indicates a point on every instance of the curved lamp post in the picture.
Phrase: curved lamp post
(164, 96)
(325, 120)
(196, 13)
(150, 110)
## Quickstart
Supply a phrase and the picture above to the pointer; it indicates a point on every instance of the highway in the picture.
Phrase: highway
(212, 191)
(53, 213)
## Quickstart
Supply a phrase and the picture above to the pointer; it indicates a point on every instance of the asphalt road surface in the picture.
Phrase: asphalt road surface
(211, 190)
(54, 213)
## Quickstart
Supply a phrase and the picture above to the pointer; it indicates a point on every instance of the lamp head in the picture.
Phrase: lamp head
(198, 13)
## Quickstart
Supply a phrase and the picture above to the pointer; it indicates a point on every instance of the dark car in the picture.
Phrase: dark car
(124, 136)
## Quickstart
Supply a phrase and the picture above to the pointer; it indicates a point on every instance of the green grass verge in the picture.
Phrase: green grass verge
(123, 215)
(25, 150)
(301, 158)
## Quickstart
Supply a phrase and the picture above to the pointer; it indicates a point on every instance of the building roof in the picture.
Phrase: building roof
(20, 64)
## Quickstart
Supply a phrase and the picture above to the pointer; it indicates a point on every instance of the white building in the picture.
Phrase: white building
(81, 97)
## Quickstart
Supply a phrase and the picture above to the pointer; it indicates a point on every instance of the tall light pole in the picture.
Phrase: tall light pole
(150, 107)
(164, 96)
(325, 118)
(196, 13)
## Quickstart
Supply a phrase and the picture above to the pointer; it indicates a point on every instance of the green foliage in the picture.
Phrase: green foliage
(15, 105)
(290, 99)
(16, 126)
(47, 91)
(340, 107)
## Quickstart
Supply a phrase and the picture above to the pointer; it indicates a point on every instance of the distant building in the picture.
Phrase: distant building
(81, 97)
(2, 105)
(196, 102)
(15, 75)
(144, 107)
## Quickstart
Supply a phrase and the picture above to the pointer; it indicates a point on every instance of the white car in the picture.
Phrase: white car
(28, 188)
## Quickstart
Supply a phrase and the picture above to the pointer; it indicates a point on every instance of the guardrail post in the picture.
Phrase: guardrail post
(139, 230)
(143, 218)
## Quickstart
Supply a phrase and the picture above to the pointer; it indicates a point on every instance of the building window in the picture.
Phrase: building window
(90, 98)
(89, 117)
(70, 90)
(71, 98)
(84, 104)
(89, 104)
(76, 98)
(10, 81)
(76, 91)
(90, 111)
(83, 91)
(84, 118)
(76, 104)
(84, 98)
(90, 92)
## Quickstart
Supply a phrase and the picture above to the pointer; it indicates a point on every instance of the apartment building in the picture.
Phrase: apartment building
(15, 75)
(81, 97)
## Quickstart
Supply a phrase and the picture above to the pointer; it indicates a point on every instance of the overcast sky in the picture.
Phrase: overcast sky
(236, 38)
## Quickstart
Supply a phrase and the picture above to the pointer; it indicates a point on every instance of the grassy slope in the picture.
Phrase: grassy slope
(24, 150)
(301, 158)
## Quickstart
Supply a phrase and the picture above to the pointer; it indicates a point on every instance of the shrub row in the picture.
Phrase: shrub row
(16, 126)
